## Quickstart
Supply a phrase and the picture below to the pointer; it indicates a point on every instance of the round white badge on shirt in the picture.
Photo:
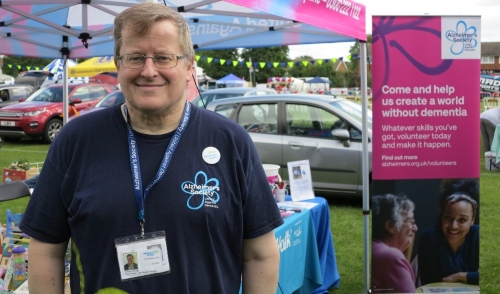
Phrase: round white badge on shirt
(211, 155)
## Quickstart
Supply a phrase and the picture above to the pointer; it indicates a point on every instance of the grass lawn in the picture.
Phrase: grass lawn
(32, 151)
(346, 223)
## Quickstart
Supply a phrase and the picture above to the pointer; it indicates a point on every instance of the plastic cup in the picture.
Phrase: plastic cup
(280, 194)
(272, 173)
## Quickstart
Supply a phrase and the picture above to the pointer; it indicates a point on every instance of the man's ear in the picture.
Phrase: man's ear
(190, 71)
(117, 63)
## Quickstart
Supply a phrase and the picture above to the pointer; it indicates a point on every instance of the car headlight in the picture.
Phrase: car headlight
(36, 112)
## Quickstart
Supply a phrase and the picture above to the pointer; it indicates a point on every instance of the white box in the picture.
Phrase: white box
(490, 158)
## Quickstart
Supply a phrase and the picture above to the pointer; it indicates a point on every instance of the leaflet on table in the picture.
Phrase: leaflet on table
(299, 174)
(449, 289)
(23, 289)
(290, 205)
(286, 213)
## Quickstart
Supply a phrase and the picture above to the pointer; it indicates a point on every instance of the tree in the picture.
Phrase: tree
(267, 55)
(312, 69)
(353, 77)
(323, 68)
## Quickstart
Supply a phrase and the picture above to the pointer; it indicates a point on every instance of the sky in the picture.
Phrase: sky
(489, 10)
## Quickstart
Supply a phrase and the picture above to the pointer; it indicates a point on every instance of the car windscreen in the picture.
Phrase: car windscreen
(50, 94)
(207, 98)
(354, 110)
(112, 100)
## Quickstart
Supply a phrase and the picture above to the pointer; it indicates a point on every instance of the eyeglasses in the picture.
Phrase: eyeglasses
(161, 61)
(410, 221)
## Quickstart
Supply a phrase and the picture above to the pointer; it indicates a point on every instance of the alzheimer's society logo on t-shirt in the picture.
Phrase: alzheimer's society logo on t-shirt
(202, 191)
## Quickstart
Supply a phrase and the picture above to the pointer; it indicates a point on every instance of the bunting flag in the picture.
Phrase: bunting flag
(269, 64)
(22, 67)
(235, 63)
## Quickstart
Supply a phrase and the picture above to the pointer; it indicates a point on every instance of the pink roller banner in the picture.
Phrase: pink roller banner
(425, 188)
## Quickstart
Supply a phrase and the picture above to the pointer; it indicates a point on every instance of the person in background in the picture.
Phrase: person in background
(4, 95)
(449, 251)
(31, 182)
(393, 231)
(489, 119)
(155, 167)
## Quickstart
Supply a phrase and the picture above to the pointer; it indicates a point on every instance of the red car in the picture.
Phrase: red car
(40, 116)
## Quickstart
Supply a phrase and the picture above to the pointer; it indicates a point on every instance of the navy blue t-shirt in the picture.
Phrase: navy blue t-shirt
(436, 260)
(85, 192)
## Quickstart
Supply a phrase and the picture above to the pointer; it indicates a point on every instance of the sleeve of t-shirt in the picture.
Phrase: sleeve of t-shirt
(260, 212)
(46, 217)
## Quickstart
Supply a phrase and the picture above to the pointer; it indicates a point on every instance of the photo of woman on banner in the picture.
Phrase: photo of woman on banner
(449, 251)
(393, 232)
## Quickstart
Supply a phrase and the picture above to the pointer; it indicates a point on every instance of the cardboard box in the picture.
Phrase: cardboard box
(18, 175)
(490, 158)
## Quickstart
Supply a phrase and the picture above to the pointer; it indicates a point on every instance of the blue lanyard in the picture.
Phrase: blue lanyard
(135, 165)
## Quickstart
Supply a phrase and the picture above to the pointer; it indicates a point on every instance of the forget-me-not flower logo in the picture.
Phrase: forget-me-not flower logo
(463, 37)
(201, 190)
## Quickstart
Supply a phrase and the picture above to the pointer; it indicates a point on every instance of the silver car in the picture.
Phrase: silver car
(293, 127)
(221, 93)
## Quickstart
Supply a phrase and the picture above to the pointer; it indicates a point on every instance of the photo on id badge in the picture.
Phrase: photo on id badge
(129, 261)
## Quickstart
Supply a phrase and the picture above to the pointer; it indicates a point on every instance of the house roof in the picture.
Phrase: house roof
(490, 48)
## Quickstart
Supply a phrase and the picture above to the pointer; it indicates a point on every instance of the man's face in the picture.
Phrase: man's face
(130, 259)
(150, 89)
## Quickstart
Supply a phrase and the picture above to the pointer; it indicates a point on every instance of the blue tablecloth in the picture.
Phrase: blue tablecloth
(326, 250)
(308, 263)
(300, 270)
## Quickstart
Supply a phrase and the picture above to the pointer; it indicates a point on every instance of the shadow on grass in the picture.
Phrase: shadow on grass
(344, 201)
(22, 142)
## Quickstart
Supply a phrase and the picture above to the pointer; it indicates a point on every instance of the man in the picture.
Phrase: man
(156, 168)
(131, 265)
(489, 120)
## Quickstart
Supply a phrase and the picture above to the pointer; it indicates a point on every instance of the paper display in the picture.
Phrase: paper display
(296, 205)
(299, 174)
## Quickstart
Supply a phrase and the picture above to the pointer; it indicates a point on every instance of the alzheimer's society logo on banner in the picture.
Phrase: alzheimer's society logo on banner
(460, 37)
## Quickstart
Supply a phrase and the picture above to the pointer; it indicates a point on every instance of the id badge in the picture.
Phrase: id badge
(142, 257)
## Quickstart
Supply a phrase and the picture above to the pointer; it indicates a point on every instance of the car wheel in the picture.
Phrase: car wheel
(52, 129)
